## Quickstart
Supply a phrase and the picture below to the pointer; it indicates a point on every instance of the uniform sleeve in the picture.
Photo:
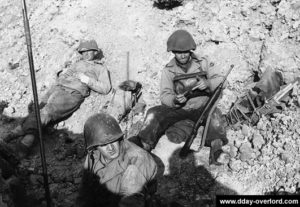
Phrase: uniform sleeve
(167, 93)
(102, 84)
(214, 75)
(141, 170)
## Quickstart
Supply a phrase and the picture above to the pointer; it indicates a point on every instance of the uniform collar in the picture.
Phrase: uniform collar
(173, 67)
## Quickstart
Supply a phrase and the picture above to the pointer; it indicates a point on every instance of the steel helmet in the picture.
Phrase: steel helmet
(101, 129)
(87, 46)
(181, 40)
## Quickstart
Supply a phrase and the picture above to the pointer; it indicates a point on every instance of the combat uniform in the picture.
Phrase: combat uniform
(66, 96)
(126, 175)
(111, 179)
(160, 118)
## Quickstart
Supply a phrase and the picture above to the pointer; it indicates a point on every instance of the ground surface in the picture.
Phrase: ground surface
(253, 35)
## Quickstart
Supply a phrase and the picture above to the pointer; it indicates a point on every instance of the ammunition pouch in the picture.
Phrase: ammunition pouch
(184, 83)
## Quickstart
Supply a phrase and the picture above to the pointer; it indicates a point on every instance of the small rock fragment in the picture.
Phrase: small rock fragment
(286, 157)
(246, 151)
(9, 111)
(258, 141)
(13, 66)
(245, 130)
(235, 165)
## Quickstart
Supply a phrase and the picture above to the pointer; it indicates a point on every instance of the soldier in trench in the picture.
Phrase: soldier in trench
(180, 75)
(116, 171)
(68, 93)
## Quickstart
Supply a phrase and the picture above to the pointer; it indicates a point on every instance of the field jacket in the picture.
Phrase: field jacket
(172, 69)
(99, 79)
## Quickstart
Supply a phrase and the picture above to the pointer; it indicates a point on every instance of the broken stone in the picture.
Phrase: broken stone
(258, 141)
(9, 111)
(235, 165)
(233, 151)
(245, 151)
(286, 157)
(245, 130)
(13, 66)
(238, 142)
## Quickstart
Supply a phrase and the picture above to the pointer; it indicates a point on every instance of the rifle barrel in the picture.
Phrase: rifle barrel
(210, 103)
(36, 101)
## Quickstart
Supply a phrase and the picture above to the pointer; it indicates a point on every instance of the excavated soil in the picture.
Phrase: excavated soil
(253, 35)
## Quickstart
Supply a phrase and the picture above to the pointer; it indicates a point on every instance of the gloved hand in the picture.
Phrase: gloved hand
(130, 85)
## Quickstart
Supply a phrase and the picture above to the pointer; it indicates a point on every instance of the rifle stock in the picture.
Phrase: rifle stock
(210, 103)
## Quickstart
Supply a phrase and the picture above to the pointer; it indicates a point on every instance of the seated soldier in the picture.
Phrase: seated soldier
(184, 73)
(122, 169)
(68, 93)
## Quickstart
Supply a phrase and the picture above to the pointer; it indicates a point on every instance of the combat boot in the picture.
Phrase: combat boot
(24, 145)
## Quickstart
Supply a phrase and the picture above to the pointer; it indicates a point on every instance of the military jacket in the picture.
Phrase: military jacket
(99, 79)
(126, 175)
(172, 69)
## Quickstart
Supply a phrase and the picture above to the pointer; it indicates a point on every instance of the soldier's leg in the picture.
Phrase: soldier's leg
(158, 119)
(60, 104)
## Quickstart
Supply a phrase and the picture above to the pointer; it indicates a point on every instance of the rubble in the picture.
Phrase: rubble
(228, 32)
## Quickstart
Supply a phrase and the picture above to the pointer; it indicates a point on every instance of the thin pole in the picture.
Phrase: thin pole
(36, 102)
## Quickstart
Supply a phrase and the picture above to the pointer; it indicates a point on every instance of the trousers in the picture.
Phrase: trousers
(59, 104)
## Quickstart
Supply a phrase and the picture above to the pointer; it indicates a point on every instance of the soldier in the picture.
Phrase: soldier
(180, 75)
(68, 93)
(123, 171)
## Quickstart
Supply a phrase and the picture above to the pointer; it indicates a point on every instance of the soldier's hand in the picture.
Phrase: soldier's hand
(180, 99)
(83, 78)
(202, 84)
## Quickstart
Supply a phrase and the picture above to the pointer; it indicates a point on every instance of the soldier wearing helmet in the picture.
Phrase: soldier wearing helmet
(123, 169)
(68, 93)
(184, 74)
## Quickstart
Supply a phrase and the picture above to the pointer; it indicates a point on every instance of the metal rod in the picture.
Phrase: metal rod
(36, 102)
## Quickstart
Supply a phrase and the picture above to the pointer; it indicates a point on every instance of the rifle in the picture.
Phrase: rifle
(36, 101)
(206, 111)
(239, 113)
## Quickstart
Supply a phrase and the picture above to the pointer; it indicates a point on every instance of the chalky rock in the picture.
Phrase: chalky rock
(258, 141)
(9, 111)
(245, 130)
(245, 151)
(235, 165)
(286, 157)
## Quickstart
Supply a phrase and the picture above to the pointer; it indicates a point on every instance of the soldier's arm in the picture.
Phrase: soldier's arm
(167, 93)
(103, 82)
(214, 77)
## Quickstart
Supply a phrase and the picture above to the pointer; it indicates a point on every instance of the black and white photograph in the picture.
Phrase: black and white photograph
(149, 103)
